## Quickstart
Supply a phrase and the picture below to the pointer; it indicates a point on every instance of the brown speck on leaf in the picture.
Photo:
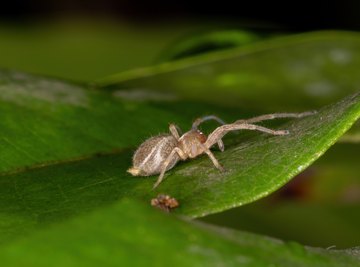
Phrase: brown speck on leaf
(164, 202)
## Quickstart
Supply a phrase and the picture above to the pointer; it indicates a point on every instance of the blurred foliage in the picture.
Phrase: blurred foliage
(210, 42)
(294, 72)
(128, 233)
(86, 50)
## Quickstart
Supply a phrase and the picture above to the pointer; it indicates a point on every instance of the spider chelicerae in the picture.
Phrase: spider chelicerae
(160, 153)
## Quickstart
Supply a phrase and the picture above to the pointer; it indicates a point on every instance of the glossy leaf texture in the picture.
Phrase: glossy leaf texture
(128, 233)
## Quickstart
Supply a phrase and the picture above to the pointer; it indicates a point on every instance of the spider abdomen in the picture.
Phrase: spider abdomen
(150, 156)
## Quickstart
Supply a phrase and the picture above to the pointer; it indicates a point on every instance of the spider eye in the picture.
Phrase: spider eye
(202, 137)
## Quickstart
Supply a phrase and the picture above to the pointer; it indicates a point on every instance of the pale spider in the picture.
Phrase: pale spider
(160, 153)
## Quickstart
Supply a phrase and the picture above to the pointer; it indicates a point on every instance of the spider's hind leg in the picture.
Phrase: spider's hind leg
(175, 152)
(275, 116)
(174, 130)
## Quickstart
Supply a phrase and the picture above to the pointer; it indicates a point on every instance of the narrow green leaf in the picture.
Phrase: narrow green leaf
(131, 234)
(209, 42)
(293, 72)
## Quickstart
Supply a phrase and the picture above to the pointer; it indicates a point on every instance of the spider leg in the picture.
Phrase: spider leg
(276, 116)
(219, 132)
(221, 145)
(199, 121)
(174, 130)
(166, 163)
(214, 160)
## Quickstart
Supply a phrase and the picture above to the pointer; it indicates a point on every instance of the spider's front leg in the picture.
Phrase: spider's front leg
(214, 160)
(200, 120)
(175, 152)
(219, 132)
(276, 116)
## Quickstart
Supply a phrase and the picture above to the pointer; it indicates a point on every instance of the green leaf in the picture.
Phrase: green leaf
(131, 234)
(303, 71)
(47, 120)
(209, 42)
(86, 49)
(294, 72)
(256, 167)
(260, 165)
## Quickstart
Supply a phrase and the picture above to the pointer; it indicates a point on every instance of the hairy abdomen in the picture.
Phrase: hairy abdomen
(150, 156)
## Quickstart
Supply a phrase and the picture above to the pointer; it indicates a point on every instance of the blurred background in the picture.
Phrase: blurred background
(89, 40)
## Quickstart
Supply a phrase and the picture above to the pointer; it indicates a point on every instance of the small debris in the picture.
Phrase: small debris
(164, 202)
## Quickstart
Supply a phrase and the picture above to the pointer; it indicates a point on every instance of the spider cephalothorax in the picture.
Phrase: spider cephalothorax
(160, 153)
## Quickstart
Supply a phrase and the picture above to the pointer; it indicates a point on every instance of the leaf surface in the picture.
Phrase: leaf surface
(257, 166)
(128, 233)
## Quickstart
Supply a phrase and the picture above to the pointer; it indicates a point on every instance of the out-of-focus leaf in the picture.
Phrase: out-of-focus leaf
(209, 42)
(353, 135)
(131, 234)
(313, 224)
(293, 72)
(87, 49)
(335, 178)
